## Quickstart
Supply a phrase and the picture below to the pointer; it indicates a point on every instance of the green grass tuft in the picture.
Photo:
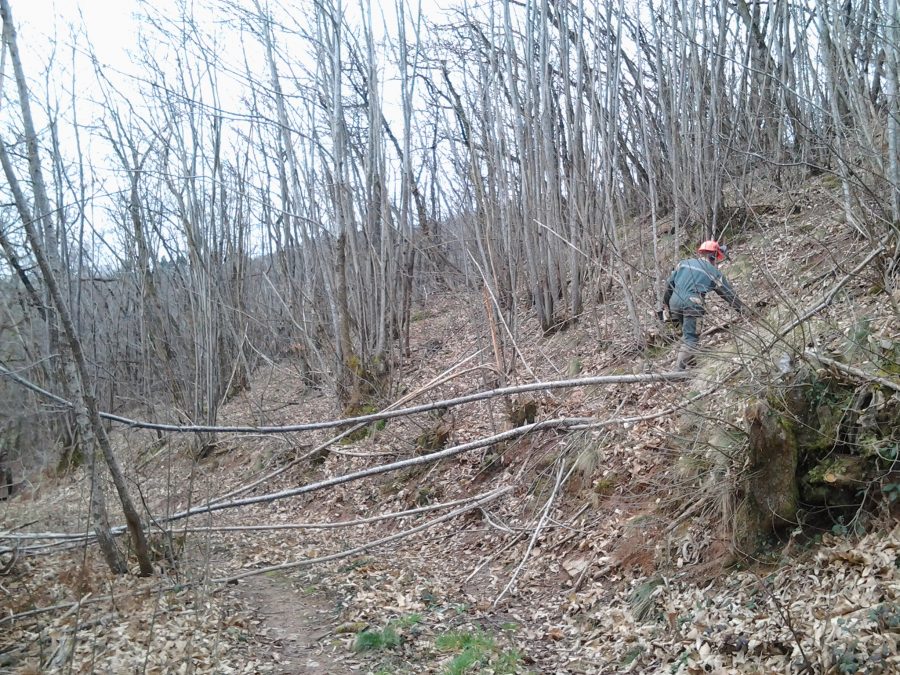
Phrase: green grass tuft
(464, 640)
(477, 650)
(386, 638)
(373, 640)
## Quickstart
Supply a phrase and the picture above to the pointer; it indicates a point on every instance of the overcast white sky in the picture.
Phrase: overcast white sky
(111, 26)
(110, 29)
(49, 29)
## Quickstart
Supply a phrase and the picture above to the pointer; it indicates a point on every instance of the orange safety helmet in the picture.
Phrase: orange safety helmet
(712, 247)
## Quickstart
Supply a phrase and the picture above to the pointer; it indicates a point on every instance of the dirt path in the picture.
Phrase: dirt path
(297, 625)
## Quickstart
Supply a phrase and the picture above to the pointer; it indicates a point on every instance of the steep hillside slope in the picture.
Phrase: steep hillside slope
(617, 546)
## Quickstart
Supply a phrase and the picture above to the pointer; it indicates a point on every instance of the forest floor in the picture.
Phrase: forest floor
(299, 619)
(601, 557)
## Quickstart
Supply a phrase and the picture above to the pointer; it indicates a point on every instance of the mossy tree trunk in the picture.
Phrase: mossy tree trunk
(771, 495)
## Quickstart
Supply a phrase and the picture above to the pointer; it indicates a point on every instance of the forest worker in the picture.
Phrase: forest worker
(686, 291)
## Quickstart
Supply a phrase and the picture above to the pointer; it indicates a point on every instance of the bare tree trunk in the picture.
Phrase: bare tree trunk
(891, 22)
(45, 254)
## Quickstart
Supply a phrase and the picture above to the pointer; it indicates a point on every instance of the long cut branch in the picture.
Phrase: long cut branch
(643, 378)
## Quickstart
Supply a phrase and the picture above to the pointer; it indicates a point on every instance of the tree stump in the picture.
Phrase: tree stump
(771, 495)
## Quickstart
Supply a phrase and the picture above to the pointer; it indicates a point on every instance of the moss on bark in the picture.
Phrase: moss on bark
(771, 496)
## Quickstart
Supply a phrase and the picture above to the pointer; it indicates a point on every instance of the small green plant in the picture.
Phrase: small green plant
(356, 436)
(632, 654)
(680, 661)
(605, 486)
(355, 564)
(846, 657)
(429, 597)
(386, 638)
(506, 663)
(456, 640)
(839, 529)
(373, 640)
(407, 621)
(887, 615)
(477, 649)
(642, 600)
(462, 662)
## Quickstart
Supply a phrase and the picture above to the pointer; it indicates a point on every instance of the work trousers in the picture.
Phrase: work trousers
(689, 320)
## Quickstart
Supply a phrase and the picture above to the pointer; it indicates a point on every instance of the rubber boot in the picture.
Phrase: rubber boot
(685, 358)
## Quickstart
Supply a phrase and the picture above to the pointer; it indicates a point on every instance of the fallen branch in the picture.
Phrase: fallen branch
(73, 537)
(644, 378)
(445, 376)
(88, 599)
(368, 545)
(560, 480)
(858, 373)
(568, 423)
(834, 291)
(563, 422)
(71, 606)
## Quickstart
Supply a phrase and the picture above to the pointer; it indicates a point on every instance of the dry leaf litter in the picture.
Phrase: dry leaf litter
(620, 577)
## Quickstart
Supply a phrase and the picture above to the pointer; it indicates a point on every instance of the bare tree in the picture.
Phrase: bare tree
(44, 249)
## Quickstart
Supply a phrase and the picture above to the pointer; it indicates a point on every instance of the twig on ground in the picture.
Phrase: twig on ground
(560, 480)
(786, 617)
(512, 542)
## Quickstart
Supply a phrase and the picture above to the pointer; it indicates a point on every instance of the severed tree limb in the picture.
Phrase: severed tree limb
(445, 376)
(303, 563)
(560, 423)
(858, 373)
(642, 378)
(73, 537)
(571, 423)
(371, 544)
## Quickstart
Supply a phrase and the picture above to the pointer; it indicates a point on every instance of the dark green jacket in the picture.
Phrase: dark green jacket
(689, 283)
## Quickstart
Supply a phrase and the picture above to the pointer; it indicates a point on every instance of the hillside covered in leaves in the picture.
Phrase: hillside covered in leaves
(333, 340)
(613, 546)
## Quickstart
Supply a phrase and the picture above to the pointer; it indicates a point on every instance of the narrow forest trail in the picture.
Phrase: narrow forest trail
(297, 622)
